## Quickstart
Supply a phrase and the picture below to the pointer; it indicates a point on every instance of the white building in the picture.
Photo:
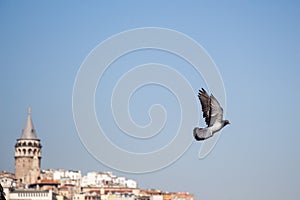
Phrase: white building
(119, 181)
(130, 183)
(71, 177)
(98, 179)
(31, 195)
(156, 197)
(104, 179)
(8, 181)
(68, 176)
(87, 196)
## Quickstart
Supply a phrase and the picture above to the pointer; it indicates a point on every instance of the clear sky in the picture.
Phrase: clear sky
(255, 45)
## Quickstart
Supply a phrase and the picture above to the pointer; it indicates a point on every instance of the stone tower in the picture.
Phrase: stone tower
(28, 154)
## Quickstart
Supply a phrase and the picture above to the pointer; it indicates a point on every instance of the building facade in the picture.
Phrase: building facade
(32, 195)
(106, 179)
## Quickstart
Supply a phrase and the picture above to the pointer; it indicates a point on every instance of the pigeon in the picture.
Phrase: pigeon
(213, 114)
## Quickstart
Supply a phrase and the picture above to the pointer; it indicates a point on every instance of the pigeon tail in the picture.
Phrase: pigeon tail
(202, 133)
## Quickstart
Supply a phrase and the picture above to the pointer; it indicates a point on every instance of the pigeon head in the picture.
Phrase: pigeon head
(226, 122)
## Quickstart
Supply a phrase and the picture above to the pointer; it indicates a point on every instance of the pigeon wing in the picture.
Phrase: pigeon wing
(205, 104)
(216, 111)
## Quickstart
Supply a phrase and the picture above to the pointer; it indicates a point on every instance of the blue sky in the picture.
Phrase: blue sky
(254, 44)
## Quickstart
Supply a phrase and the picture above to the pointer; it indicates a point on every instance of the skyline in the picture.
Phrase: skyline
(254, 45)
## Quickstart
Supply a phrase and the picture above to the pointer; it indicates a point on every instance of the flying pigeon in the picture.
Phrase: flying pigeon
(213, 114)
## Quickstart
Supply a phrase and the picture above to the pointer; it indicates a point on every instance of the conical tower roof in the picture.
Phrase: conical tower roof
(28, 132)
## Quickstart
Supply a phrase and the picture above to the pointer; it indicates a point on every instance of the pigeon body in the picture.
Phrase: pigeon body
(213, 115)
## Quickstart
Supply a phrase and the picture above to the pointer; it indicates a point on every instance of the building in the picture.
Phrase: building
(160, 195)
(106, 179)
(28, 154)
(65, 177)
(97, 179)
(120, 196)
(8, 181)
(45, 185)
(151, 195)
(178, 196)
(93, 195)
(29, 194)
(69, 181)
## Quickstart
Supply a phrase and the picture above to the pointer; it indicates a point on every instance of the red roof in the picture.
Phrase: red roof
(46, 182)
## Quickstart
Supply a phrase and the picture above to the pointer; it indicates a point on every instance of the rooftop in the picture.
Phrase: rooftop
(29, 131)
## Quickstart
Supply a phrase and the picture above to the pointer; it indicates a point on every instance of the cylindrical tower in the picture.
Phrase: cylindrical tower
(28, 154)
